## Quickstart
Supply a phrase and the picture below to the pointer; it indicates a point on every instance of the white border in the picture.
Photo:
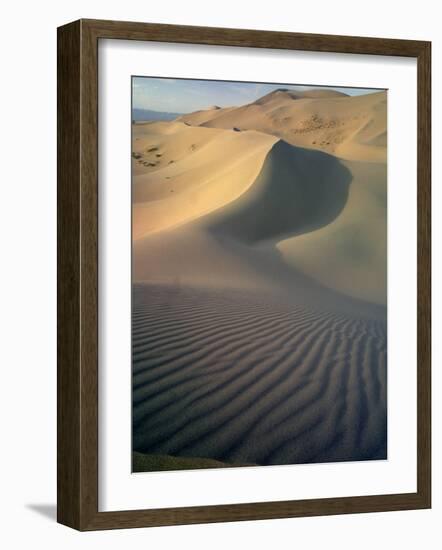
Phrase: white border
(118, 488)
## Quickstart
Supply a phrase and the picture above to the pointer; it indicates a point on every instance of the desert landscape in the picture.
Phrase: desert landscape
(259, 332)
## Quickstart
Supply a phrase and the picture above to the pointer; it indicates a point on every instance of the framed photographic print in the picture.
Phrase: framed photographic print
(243, 275)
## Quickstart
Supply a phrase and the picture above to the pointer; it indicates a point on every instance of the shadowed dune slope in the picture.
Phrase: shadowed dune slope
(296, 191)
(247, 377)
(350, 253)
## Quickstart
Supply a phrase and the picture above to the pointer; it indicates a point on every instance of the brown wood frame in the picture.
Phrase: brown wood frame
(77, 224)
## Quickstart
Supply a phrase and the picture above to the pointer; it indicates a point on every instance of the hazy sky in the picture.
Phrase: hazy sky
(186, 96)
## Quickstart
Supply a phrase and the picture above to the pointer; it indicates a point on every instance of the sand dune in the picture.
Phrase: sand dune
(348, 127)
(297, 210)
(181, 173)
(241, 376)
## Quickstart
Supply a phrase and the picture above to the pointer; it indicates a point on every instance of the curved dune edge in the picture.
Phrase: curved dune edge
(198, 170)
(219, 247)
(297, 191)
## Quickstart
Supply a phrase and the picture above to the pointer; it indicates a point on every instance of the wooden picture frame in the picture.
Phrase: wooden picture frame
(78, 274)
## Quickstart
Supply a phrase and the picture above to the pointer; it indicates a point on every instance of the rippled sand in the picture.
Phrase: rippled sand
(249, 377)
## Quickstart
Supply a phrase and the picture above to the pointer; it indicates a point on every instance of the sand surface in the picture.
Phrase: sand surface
(244, 376)
(259, 267)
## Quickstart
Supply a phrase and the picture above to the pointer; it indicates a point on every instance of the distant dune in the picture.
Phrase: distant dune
(350, 127)
(260, 282)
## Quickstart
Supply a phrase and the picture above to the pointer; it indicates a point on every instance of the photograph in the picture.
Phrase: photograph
(259, 274)
(220, 247)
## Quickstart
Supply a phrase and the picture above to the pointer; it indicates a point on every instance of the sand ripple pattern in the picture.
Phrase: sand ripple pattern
(247, 377)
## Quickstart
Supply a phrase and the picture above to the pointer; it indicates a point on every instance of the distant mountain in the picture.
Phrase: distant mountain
(146, 114)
